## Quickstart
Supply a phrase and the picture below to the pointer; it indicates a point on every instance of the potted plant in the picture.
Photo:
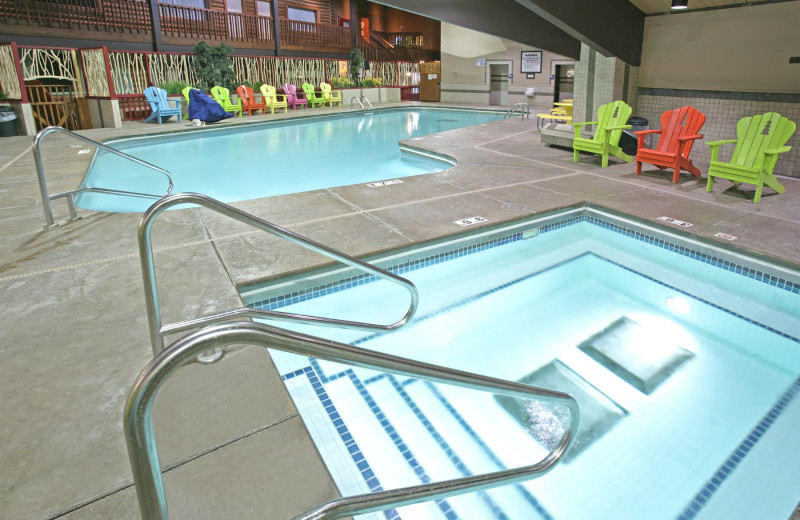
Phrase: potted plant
(213, 66)
(355, 64)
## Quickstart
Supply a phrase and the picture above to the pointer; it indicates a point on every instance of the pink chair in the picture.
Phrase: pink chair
(293, 98)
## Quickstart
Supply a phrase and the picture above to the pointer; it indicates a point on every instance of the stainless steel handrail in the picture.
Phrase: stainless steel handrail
(143, 451)
(158, 330)
(371, 108)
(525, 111)
(363, 98)
(46, 198)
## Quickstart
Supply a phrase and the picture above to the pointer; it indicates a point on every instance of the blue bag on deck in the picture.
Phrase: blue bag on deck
(204, 108)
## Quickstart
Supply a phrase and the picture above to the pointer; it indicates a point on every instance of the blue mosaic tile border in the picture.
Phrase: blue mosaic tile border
(284, 300)
(344, 434)
(317, 379)
(725, 470)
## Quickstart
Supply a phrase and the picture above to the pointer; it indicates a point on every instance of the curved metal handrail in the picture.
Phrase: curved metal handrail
(525, 111)
(158, 330)
(46, 198)
(354, 98)
(143, 451)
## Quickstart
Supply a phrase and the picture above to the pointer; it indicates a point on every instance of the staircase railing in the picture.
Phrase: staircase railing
(69, 195)
(143, 451)
(158, 330)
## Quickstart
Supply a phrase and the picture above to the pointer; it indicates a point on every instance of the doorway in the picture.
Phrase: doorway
(565, 82)
(498, 83)
(430, 81)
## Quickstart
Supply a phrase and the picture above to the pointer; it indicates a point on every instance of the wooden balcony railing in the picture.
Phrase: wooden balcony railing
(314, 35)
(115, 16)
(206, 24)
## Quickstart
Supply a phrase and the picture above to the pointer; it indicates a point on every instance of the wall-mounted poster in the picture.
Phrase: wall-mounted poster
(531, 61)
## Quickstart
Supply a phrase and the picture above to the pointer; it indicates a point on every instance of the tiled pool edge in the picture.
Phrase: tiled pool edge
(294, 297)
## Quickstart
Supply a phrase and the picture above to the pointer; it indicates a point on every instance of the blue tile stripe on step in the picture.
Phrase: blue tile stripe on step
(397, 440)
(344, 434)
(443, 445)
(545, 515)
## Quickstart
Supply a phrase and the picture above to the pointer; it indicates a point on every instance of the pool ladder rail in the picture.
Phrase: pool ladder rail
(359, 101)
(524, 111)
(137, 421)
(70, 195)
(143, 450)
(158, 330)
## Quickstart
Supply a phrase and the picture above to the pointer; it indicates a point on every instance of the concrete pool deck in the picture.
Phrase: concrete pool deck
(233, 445)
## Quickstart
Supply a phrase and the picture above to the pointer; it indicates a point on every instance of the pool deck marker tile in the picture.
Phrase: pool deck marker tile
(470, 221)
(725, 236)
(384, 183)
(675, 221)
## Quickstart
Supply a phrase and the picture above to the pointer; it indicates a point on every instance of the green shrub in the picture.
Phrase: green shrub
(3, 94)
(174, 88)
(341, 83)
(371, 82)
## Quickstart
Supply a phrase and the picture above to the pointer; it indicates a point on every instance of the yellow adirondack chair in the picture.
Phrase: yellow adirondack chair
(272, 99)
(611, 119)
(329, 95)
(760, 139)
(222, 96)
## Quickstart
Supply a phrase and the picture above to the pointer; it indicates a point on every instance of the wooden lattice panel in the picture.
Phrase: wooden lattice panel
(8, 72)
(48, 63)
(94, 65)
(171, 67)
(128, 72)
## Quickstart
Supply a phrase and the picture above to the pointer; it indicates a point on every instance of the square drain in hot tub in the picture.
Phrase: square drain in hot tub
(546, 422)
(643, 358)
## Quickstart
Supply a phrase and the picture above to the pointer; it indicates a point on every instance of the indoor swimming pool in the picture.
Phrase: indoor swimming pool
(684, 358)
(275, 158)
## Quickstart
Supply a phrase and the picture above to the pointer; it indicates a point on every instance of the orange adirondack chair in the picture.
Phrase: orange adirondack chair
(249, 103)
(679, 129)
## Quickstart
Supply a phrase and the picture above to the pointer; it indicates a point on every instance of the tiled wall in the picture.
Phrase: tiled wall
(723, 110)
(600, 80)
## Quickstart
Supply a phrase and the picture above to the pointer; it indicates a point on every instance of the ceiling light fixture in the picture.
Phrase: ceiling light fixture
(680, 4)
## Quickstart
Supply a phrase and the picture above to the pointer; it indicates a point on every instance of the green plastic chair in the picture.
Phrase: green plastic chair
(611, 119)
(311, 95)
(760, 139)
(222, 96)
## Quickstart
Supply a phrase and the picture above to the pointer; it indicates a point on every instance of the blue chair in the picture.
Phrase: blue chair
(159, 104)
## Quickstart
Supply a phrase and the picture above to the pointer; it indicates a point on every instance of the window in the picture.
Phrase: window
(234, 6)
(302, 15)
(199, 4)
(263, 8)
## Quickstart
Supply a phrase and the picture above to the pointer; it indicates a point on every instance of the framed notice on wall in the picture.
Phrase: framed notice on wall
(531, 61)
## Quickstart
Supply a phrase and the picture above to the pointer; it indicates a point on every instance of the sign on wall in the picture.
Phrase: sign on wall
(531, 61)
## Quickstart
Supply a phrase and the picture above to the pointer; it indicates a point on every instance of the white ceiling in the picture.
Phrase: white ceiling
(662, 6)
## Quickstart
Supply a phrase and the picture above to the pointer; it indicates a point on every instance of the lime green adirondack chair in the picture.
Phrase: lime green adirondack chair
(311, 95)
(222, 96)
(760, 139)
(329, 95)
(611, 119)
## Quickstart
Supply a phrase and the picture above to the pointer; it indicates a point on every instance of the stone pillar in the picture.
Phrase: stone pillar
(600, 80)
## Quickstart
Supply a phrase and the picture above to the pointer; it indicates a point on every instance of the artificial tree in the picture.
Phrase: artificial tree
(213, 66)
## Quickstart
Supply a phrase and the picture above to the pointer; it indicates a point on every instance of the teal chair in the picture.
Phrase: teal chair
(160, 105)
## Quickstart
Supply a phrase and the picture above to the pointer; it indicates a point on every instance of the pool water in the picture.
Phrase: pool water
(714, 436)
(275, 158)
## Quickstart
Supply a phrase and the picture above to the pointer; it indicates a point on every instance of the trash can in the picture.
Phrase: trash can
(628, 141)
(8, 122)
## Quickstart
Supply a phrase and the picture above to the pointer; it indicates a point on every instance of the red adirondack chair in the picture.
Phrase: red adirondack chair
(679, 129)
(249, 103)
